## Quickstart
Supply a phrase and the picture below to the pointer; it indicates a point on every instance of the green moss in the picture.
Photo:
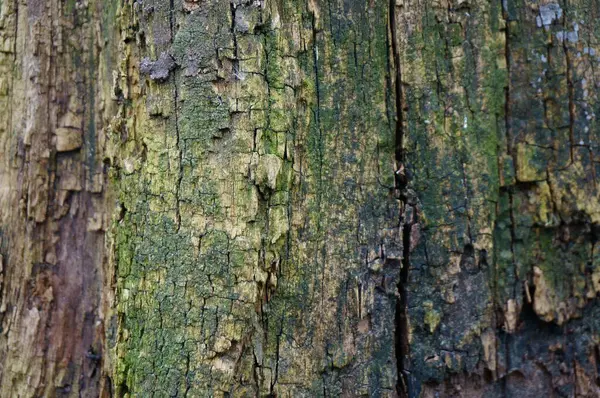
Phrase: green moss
(251, 176)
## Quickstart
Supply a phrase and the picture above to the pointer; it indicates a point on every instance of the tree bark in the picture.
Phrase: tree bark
(258, 248)
(54, 109)
(299, 198)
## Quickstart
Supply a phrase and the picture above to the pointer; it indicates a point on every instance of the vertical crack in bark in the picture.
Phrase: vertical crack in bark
(315, 53)
(320, 147)
(506, 341)
(571, 94)
(176, 114)
(45, 229)
(272, 392)
(507, 88)
(402, 345)
(401, 181)
(399, 135)
(235, 61)
(509, 137)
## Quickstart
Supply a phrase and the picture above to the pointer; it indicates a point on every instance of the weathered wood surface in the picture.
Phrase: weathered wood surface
(54, 58)
(299, 198)
(501, 142)
(258, 248)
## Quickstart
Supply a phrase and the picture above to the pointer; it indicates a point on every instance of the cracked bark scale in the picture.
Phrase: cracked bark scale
(276, 198)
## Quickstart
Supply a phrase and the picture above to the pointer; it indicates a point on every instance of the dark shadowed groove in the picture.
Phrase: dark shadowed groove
(401, 322)
(176, 115)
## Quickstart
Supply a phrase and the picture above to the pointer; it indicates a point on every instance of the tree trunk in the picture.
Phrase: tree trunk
(299, 198)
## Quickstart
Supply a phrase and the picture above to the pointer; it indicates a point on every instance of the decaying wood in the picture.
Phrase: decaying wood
(299, 198)
(53, 113)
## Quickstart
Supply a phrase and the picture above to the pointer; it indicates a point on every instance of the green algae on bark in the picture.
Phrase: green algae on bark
(254, 208)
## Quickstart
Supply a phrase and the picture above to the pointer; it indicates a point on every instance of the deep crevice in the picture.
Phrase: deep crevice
(235, 60)
(403, 387)
(176, 115)
(399, 133)
(506, 338)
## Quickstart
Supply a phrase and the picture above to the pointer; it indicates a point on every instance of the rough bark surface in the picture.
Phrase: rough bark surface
(299, 198)
(53, 56)
(258, 246)
(500, 140)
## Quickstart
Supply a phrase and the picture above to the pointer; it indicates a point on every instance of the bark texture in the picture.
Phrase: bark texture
(500, 141)
(299, 198)
(53, 110)
(258, 246)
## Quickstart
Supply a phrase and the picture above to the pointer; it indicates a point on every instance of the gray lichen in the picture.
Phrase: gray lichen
(548, 14)
(159, 69)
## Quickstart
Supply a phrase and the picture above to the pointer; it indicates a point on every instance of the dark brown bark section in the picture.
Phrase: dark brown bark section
(52, 208)
(501, 145)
